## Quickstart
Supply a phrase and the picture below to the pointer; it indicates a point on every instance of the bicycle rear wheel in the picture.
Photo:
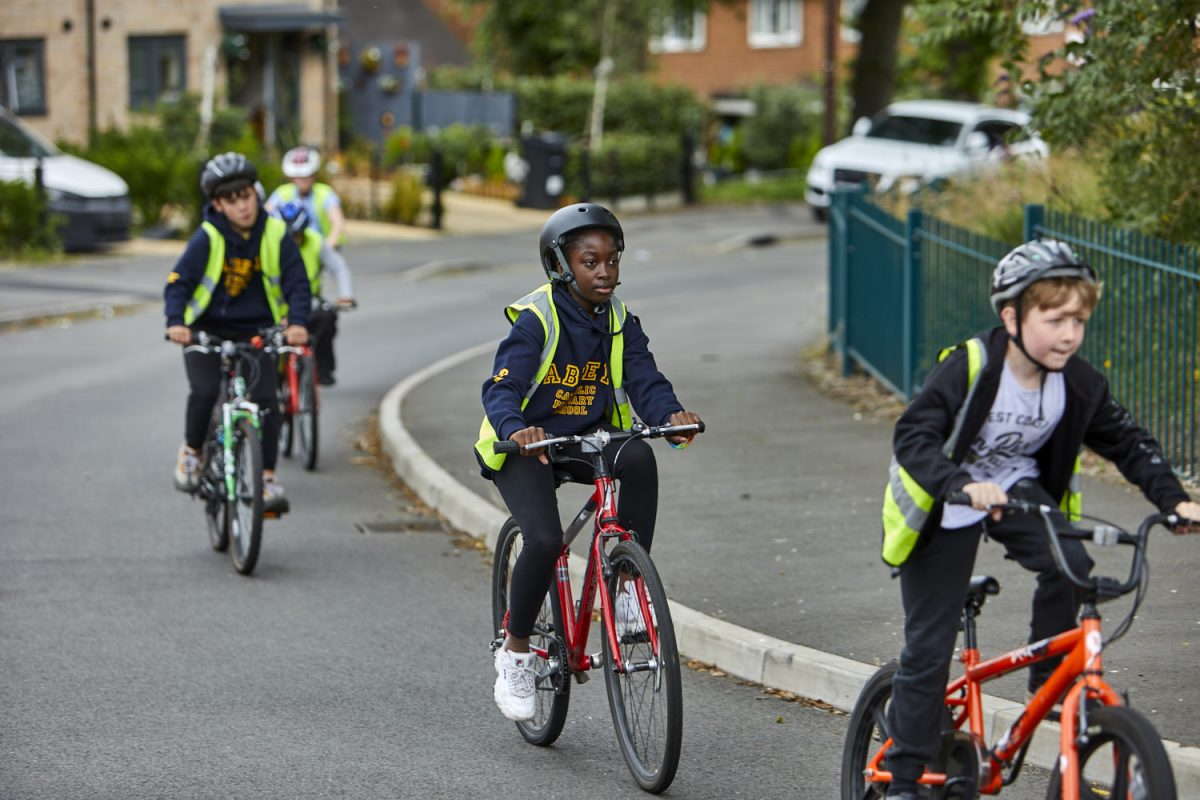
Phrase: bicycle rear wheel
(247, 513)
(553, 683)
(287, 427)
(216, 510)
(645, 698)
(305, 420)
(1124, 758)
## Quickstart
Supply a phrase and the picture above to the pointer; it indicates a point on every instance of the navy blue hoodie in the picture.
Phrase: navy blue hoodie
(239, 301)
(576, 395)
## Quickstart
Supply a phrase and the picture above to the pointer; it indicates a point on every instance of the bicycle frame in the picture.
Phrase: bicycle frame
(235, 409)
(1080, 674)
(292, 375)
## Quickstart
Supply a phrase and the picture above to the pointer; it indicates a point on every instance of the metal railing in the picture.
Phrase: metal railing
(900, 290)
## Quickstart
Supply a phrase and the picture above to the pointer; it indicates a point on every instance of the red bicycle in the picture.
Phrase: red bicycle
(641, 662)
(1107, 750)
(299, 405)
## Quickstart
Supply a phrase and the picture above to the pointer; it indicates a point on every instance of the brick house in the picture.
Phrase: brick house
(70, 66)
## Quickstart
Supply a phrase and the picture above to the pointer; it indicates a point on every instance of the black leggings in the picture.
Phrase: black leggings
(527, 486)
(204, 380)
(933, 586)
(322, 327)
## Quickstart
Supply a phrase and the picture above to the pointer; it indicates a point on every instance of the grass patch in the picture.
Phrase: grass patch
(782, 189)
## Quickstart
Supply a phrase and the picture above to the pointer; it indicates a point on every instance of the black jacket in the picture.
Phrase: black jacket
(1092, 417)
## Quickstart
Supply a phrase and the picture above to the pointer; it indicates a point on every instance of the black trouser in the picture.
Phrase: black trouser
(933, 586)
(204, 380)
(527, 486)
(322, 327)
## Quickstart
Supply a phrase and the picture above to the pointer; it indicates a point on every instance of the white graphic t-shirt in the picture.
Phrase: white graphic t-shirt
(1020, 422)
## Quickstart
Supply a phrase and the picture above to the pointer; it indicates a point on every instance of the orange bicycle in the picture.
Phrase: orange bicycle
(640, 663)
(1107, 750)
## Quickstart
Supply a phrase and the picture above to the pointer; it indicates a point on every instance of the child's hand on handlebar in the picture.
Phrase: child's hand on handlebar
(527, 436)
(984, 495)
(683, 418)
(1189, 510)
(296, 335)
(180, 334)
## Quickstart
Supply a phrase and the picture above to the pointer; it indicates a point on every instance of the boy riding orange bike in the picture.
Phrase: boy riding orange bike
(1002, 416)
(574, 360)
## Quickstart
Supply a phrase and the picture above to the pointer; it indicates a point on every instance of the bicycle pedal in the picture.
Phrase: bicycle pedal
(273, 514)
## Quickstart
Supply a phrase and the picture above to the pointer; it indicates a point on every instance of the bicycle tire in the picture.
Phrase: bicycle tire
(305, 420)
(246, 517)
(216, 510)
(646, 705)
(1119, 735)
(553, 690)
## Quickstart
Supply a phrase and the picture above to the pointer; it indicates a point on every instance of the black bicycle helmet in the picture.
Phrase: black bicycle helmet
(295, 216)
(1034, 261)
(226, 169)
(566, 221)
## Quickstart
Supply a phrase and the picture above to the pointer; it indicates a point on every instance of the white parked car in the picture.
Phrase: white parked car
(914, 142)
(92, 201)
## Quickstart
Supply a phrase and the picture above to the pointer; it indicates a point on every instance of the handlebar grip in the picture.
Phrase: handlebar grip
(701, 428)
(958, 499)
(506, 447)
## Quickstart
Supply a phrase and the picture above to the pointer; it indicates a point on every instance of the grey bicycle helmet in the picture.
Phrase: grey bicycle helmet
(566, 221)
(225, 169)
(1034, 261)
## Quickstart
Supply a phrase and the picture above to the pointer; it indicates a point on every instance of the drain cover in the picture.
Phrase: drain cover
(401, 525)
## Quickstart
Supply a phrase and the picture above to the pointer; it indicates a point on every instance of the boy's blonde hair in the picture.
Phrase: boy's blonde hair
(1056, 292)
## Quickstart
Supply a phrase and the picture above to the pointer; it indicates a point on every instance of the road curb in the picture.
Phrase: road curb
(738, 651)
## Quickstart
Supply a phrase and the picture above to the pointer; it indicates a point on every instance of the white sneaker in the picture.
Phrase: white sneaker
(515, 684)
(629, 613)
(187, 469)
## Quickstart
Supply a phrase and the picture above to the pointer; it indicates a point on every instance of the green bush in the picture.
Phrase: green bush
(26, 230)
(404, 204)
(782, 115)
(628, 164)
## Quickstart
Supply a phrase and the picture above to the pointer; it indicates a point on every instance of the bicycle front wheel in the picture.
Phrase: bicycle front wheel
(553, 682)
(247, 513)
(212, 490)
(1124, 758)
(644, 693)
(305, 420)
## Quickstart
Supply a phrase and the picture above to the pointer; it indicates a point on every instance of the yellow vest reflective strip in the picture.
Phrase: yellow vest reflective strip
(310, 254)
(268, 260)
(541, 302)
(906, 504)
(1072, 499)
(320, 193)
(905, 508)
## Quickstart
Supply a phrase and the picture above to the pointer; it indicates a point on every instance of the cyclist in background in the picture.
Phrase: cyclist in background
(240, 273)
(1002, 415)
(322, 203)
(318, 255)
(571, 363)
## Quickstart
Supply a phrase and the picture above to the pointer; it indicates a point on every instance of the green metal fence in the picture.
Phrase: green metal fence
(900, 290)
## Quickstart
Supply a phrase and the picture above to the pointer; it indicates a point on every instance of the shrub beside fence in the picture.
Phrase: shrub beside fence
(900, 290)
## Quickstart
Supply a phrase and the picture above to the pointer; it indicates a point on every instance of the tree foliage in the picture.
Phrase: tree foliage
(1125, 94)
(555, 37)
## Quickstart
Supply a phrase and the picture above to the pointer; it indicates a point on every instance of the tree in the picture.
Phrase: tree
(874, 78)
(1127, 93)
(555, 37)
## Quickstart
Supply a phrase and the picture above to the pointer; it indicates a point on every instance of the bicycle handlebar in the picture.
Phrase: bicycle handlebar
(269, 340)
(1105, 535)
(600, 438)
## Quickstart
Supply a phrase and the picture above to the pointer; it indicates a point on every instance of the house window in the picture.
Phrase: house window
(776, 23)
(23, 76)
(157, 70)
(682, 32)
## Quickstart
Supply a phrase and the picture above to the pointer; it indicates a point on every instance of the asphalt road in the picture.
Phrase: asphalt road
(137, 664)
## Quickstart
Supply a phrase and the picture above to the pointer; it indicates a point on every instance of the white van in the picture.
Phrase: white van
(93, 201)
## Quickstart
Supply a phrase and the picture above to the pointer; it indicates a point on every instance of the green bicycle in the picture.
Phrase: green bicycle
(231, 473)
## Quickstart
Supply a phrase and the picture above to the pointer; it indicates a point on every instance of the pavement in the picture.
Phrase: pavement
(766, 642)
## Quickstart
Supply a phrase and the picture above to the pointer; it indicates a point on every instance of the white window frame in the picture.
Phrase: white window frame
(673, 41)
(758, 13)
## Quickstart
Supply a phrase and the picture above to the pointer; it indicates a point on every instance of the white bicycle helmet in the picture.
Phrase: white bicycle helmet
(301, 162)
(1034, 261)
